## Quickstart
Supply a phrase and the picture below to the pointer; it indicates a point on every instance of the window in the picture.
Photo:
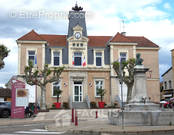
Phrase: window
(98, 58)
(56, 58)
(170, 84)
(81, 44)
(165, 85)
(55, 85)
(74, 44)
(77, 58)
(122, 56)
(32, 57)
(98, 85)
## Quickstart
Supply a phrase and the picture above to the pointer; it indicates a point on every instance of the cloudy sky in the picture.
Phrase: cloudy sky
(153, 19)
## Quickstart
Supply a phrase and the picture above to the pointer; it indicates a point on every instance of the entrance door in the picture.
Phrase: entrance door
(78, 92)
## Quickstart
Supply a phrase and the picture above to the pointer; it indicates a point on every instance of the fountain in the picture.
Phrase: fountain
(140, 110)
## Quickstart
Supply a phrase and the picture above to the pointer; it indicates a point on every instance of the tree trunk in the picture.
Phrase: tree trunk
(129, 93)
(43, 98)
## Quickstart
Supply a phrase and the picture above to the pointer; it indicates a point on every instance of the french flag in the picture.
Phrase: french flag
(73, 60)
(84, 62)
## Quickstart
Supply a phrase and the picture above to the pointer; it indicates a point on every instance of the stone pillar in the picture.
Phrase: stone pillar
(140, 90)
(114, 89)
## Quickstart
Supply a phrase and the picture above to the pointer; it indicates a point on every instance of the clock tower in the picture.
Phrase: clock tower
(77, 19)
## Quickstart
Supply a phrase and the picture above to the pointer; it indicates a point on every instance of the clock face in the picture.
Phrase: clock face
(77, 35)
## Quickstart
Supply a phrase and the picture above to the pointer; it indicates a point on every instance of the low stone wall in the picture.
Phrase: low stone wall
(145, 118)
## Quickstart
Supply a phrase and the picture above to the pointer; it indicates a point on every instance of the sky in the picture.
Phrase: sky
(153, 19)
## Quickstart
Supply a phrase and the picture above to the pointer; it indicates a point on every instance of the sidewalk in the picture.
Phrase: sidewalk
(100, 126)
(60, 120)
(88, 124)
(40, 117)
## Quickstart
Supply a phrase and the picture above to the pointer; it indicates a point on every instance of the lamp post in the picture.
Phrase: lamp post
(122, 102)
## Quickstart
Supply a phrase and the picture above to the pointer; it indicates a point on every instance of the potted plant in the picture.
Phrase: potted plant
(101, 92)
(58, 93)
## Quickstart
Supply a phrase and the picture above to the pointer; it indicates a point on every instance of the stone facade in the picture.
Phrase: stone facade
(87, 60)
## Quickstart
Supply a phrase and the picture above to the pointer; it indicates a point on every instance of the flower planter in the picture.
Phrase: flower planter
(57, 105)
(101, 104)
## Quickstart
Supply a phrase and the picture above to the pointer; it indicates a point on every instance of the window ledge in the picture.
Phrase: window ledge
(55, 96)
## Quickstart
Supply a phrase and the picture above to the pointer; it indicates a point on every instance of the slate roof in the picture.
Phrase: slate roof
(94, 41)
(5, 92)
(98, 41)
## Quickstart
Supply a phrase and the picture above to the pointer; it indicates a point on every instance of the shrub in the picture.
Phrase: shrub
(116, 105)
(65, 105)
(93, 105)
(53, 106)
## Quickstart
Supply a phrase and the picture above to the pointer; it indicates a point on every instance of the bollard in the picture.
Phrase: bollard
(76, 119)
(35, 110)
(96, 114)
(72, 115)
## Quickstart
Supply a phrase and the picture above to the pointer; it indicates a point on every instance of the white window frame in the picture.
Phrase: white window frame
(99, 57)
(56, 56)
(53, 87)
(165, 85)
(60, 57)
(123, 51)
(170, 84)
(99, 51)
(27, 58)
(103, 86)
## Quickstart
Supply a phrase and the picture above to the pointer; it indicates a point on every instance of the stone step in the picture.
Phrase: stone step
(79, 105)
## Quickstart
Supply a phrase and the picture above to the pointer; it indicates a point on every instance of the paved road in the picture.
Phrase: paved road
(38, 129)
(29, 129)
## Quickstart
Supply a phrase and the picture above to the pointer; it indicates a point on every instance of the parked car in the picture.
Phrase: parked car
(168, 104)
(5, 109)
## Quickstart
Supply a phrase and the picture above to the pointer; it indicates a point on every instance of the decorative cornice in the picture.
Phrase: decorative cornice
(147, 48)
(121, 43)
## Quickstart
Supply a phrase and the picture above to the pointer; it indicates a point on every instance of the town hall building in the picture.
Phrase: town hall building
(87, 61)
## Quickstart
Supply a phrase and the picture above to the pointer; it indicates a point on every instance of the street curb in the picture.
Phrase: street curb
(24, 122)
(119, 132)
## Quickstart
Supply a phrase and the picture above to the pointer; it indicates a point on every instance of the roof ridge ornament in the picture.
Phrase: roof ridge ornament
(77, 8)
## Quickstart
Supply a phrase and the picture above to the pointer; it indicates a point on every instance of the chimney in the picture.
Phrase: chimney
(123, 33)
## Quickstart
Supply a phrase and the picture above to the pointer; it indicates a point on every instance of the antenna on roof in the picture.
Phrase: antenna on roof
(123, 27)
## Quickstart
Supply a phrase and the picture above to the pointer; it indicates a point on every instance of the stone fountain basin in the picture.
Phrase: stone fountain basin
(142, 117)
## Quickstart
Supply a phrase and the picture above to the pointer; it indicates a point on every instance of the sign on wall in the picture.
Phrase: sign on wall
(18, 95)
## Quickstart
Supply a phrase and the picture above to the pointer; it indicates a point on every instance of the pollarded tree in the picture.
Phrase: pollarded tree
(3, 53)
(125, 72)
(41, 78)
(101, 92)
